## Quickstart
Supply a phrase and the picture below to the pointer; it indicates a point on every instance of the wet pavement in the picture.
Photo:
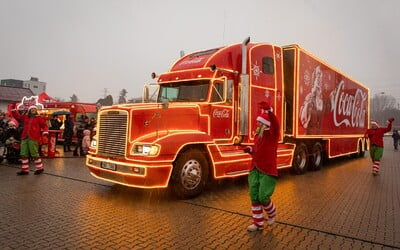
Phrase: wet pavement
(342, 206)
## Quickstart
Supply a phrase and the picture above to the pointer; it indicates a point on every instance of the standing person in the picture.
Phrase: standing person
(68, 133)
(55, 124)
(3, 121)
(396, 137)
(81, 125)
(34, 124)
(12, 139)
(375, 135)
(92, 127)
(86, 141)
(264, 172)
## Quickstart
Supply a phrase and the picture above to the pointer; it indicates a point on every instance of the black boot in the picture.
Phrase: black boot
(22, 173)
(39, 171)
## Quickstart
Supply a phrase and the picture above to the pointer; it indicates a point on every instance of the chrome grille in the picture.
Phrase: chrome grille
(112, 133)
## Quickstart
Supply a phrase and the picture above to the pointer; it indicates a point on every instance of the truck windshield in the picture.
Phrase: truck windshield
(189, 91)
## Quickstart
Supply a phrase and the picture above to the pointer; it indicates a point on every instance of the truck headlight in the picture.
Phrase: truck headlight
(146, 149)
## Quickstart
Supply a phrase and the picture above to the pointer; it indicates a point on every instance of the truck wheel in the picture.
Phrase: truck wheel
(316, 157)
(300, 159)
(190, 174)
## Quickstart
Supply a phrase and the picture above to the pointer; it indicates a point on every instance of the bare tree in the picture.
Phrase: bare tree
(74, 98)
(122, 96)
(383, 106)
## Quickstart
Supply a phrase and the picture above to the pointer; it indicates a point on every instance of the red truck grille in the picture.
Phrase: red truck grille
(112, 133)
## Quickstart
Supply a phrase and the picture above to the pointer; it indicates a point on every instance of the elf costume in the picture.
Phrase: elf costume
(375, 135)
(262, 176)
(34, 124)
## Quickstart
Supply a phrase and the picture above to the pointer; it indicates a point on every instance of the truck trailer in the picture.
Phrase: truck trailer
(204, 114)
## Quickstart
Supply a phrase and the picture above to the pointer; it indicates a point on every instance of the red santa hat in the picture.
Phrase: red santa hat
(12, 123)
(264, 119)
(375, 123)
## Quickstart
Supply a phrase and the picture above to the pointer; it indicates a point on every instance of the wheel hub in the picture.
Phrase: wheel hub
(191, 174)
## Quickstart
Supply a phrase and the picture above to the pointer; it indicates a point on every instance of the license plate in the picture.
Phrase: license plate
(107, 165)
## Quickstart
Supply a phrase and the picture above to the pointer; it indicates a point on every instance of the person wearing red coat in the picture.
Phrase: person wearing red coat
(375, 135)
(263, 172)
(34, 125)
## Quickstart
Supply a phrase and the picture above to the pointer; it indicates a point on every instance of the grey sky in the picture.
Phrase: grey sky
(84, 46)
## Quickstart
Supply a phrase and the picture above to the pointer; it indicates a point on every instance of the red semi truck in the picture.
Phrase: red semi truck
(204, 115)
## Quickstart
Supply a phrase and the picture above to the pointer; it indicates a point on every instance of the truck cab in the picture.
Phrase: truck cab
(197, 127)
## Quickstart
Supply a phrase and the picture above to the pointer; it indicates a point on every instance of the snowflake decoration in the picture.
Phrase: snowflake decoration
(277, 56)
(256, 70)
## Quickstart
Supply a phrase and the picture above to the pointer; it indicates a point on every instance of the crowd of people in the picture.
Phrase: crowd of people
(12, 135)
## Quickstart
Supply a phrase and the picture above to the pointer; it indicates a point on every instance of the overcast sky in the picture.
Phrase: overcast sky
(88, 47)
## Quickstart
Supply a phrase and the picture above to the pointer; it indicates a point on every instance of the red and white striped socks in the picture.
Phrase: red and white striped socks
(258, 216)
(271, 211)
(25, 164)
(375, 167)
(38, 164)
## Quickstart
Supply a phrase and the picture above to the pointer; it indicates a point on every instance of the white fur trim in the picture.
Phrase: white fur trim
(262, 120)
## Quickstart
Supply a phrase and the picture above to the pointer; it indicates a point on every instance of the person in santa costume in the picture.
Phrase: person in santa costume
(34, 126)
(263, 173)
(375, 135)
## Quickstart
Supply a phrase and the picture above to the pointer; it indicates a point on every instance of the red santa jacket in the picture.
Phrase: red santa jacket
(376, 135)
(265, 147)
(33, 126)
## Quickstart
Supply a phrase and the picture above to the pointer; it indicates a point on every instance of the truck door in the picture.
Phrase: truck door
(221, 113)
(265, 81)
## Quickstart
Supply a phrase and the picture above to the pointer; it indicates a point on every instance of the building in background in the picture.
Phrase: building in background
(33, 84)
(10, 95)
(12, 83)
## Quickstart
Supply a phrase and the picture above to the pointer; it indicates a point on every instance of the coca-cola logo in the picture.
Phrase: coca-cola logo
(191, 61)
(52, 144)
(221, 113)
(348, 109)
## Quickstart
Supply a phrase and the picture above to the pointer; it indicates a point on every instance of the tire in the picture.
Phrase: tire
(190, 174)
(316, 156)
(300, 159)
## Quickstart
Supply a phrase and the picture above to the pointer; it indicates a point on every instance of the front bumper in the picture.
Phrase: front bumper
(130, 173)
